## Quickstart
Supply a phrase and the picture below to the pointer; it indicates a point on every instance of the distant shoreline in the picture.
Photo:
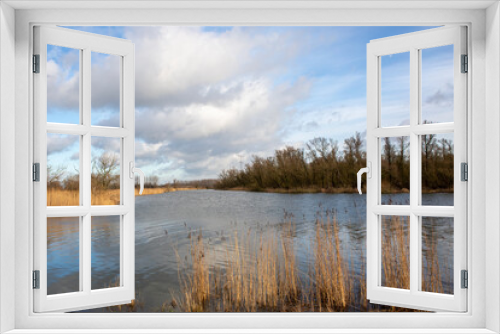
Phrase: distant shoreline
(163, 190)
(312, 190)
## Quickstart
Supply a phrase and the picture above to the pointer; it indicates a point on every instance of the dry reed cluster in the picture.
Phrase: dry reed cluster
(395, 252)
(260, 272)
(135, 305)
(62, 197)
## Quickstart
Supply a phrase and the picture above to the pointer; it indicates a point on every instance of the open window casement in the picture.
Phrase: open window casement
(81, 212)
(410, 288)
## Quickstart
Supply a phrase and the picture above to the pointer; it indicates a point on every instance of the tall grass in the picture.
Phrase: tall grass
(260, 272)
(62, 197)
(395, 252)
(135, 305)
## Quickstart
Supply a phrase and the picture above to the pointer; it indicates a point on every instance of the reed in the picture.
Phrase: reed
(195, 287)
(331, 283)
(135, 305)
(57, 197)
(260, 272)
(62, 197)
(395, 252)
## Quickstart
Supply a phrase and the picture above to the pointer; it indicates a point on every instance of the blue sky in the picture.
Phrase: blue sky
(210, 97)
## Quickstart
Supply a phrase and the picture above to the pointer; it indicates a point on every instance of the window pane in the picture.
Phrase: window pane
(63, 165)
(63, 85)
(395, 169)
(395, 252)
(63, 255)
(105, 252)
(106, 171)
(437, 254)
(437, 84)
(105, 89)
(437, 169)
(395, 89)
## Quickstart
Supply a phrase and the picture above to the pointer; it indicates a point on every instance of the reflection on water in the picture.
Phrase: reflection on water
(105, 252)
(169, 222)
(437, 254)
(63, 255)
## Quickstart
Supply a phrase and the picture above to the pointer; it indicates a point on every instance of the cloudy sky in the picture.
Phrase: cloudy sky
(208, 98)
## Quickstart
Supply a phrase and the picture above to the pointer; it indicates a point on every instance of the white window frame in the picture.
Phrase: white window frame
(85, 297)
(413, 43)
(483, 102)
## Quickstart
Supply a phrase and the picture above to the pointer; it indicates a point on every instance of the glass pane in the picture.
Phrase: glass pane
(437, 169)
(395, 252)
(395, 169)
(63, 255)
(395, 89)
(63, 165)
(437, 254)
(105, 252)
(105, 89)
(437, 84)
(63, 85)
(105, 171)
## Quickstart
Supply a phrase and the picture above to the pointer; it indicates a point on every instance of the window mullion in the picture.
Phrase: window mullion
(414, 181)
(85, 248)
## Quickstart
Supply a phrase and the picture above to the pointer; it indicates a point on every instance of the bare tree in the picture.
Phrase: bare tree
(150, 182)
(389, 154)
(55, 176)
(104, 169)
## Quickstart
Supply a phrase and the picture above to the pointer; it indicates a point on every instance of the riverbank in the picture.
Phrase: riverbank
(315, 190)
(61, 197)
(156, 191)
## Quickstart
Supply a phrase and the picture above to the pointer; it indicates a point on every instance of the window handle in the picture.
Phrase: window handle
(368, 171)
(132, 171)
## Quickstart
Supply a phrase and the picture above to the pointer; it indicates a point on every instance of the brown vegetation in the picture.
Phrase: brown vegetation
(135, 305)
(260, 273)
(321, 167)
(62, 197)
(63, 188)
(396, 252)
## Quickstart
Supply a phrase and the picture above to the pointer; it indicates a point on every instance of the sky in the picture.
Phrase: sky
(209, 98)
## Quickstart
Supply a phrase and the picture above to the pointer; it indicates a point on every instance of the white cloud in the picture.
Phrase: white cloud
(105, 81)
(62, 86)
(59, 143)
(202, 97)
(212, 134)
(176, 65)
(438, 90)
(255, 110)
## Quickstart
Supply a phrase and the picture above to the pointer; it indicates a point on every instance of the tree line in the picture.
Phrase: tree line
(319, 166)
(322, 166)
(104, 175)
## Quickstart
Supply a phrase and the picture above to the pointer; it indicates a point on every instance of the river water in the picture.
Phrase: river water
(167, 223)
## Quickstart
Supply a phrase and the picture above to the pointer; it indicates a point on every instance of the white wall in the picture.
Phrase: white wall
(492, 164)
(7, 160)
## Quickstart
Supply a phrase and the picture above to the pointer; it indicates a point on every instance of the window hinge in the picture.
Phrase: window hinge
(464, 167)
(465, 64)
(465, 279)
(36, 63)
(36, 279)
(36, 172)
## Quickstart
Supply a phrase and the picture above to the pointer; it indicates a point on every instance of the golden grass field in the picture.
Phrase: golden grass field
(61, 197)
